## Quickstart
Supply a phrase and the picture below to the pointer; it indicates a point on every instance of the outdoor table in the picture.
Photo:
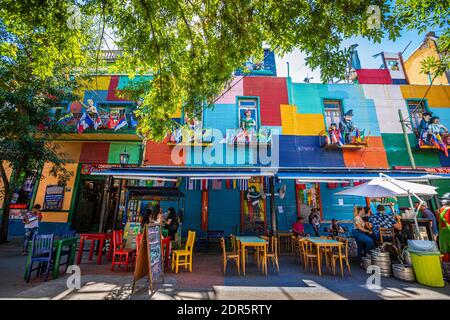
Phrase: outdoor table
(326, 243)
(251, 241)
(285, 241)
(101, 237)
(59, 245)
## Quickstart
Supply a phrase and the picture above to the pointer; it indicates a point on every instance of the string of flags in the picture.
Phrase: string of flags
(86, 121)
(217, 184)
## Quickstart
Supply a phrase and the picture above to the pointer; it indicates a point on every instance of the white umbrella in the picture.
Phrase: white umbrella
(388, 187)
(385, 186)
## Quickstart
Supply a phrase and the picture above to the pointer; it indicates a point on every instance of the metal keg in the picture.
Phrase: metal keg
(403, 272)
(366, 262)
(382, 259)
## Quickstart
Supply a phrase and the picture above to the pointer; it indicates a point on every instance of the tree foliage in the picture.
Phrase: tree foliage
(37, 51)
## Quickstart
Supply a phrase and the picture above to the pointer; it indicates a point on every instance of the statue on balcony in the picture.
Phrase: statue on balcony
(437, 130)
(424, 128)
(346, 126)
(91, 109)
(247, 127)
(334, 135)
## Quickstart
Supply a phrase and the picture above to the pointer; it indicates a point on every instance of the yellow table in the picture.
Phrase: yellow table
(251, 241)
(326, 243)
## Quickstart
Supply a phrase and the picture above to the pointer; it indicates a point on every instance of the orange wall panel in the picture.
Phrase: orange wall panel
(373, 156)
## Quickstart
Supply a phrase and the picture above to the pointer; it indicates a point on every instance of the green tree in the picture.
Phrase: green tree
(37, 51)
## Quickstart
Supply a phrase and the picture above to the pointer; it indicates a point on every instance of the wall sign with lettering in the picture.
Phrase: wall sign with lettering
(54, 196)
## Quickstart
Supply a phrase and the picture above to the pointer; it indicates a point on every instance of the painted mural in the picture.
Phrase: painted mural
(254, 207)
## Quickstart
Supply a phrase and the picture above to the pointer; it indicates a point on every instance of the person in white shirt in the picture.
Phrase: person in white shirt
(31, 224)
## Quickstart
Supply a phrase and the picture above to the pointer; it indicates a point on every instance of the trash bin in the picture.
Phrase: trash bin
(427, 267)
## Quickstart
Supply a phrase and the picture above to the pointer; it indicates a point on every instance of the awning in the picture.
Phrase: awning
(150, 193)
(302, 174)
(326, 177)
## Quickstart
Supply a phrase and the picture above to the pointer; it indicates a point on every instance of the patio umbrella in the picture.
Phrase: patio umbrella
(385, 186)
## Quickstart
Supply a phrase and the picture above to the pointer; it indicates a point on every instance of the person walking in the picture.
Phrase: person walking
(31, 221)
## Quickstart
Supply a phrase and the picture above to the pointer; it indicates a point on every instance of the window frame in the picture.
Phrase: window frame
(340, 110)
(410, 115)
(257, 107)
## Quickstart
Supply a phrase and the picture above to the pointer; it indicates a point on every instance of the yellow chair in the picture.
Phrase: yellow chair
(272, 254)
(229, 256)
(183, 258)
(344, 256)
(310, 255)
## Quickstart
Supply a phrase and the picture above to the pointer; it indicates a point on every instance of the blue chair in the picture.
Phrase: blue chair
(40, 251)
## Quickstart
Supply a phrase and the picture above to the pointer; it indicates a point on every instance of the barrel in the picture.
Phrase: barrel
(382, 260)
(403, 272)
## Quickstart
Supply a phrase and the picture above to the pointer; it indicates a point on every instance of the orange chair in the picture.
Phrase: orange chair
(120, 251)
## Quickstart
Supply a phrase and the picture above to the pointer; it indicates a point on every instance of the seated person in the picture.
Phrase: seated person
(335, 228)
(382, 220)
(298, 228)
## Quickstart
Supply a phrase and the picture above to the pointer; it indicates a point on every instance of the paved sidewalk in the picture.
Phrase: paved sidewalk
(206, 282)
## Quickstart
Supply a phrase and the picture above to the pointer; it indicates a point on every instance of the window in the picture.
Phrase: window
(415, 112)
(333, 112)
(247, 107)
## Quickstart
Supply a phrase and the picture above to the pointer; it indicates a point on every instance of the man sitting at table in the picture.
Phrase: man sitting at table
(298, 228)
(381, 220)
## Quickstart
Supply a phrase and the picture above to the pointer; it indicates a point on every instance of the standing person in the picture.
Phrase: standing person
(444, 227)
(314, 220)
(145, 218)
(156, 215)
(382, 220)
(362, 235)
(427, 214)
(172, 223)
(31, 221)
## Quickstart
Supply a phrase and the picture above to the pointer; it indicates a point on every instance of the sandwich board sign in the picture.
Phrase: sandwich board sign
(150, 258)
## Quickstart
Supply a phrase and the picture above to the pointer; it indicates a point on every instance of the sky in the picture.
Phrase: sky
(366, 49)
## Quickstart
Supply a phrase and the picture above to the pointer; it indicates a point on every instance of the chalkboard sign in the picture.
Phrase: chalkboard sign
(155, 259)
(54, 196)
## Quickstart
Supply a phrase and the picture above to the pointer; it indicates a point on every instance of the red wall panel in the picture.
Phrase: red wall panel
(94, 152)
(374, 76)
(160, 154)
(272, 93)
(112, 89)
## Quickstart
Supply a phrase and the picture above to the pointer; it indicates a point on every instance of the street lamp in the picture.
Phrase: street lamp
(124, 158)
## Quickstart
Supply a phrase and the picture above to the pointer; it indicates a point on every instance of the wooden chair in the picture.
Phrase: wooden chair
(183, 258)
(233, 255)
(299, 250)
(310, 255)
(335, 256)
(272, 254)
(40, 251)
(387, 233)
(120, 251)
(233, 243)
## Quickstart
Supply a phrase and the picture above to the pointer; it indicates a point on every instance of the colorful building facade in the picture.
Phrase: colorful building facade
(293, 121)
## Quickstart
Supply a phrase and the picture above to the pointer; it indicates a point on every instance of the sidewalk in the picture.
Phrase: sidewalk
(206, 282)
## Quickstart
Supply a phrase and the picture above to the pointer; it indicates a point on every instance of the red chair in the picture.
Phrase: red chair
(120, 251)
(167, 248)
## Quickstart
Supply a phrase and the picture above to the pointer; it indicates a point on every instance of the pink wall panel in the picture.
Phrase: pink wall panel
(272, 93)
(230, 93)
(373, 76)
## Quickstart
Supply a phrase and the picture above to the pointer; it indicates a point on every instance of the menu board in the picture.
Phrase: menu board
(154, 251)
(54, 196)
(130, 233)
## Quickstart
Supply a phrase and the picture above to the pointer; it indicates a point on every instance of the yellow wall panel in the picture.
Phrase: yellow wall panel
(47, 179)
(437, 96)
(55, 216)
(294, 123)
(287, 119)
(102, 82)
(309, 124)
(70, 150)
